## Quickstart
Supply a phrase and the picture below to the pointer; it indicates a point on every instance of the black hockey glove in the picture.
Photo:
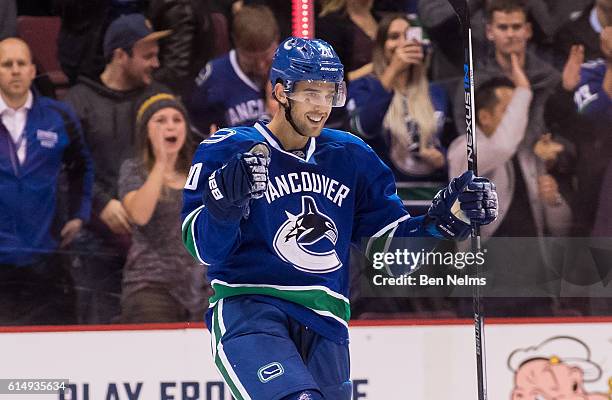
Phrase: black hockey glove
(230, 188)
(467, 199)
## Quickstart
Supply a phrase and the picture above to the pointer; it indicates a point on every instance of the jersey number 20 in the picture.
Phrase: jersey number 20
(194, 177)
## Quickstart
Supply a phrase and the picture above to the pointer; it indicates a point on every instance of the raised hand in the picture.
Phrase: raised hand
(466, 200)
(571, 71)
(158, 144)
(606, 42)
(517, 72)
(231, 187)
(410, 53)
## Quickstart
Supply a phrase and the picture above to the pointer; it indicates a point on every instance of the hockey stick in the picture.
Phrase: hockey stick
(463, 13)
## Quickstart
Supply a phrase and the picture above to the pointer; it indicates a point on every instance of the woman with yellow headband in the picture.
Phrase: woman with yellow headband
(161, 283)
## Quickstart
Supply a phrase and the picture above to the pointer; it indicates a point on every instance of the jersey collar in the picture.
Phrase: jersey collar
(243, 77)
(272, 141)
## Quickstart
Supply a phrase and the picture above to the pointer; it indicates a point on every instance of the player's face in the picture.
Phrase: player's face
(256, 64)
(140, 66)
(509, 32)
(308, 114)
(396, 37)
(16, 69)
(167, 127)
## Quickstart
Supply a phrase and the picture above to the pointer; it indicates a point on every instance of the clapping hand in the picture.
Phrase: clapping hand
(571, 71)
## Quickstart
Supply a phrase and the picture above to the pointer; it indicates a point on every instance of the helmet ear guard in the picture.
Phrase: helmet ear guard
(341, 94)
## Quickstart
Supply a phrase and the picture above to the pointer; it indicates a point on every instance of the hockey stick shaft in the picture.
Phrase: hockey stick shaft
(463, 13)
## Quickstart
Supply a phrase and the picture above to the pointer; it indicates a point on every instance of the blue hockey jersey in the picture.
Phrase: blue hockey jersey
(591, 97)
(225, 96)
(293, 249)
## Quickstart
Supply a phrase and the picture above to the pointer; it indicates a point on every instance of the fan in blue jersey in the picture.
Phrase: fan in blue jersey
(230, 90)
(593, 93)
(272, 210)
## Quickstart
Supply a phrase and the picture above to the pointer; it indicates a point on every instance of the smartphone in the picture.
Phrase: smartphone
(415, 33)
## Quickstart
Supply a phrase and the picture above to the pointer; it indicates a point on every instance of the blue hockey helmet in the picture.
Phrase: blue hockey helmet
(299, 59)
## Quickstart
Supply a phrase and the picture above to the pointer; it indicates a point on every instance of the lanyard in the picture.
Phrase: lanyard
(20, 141)
(14, 147)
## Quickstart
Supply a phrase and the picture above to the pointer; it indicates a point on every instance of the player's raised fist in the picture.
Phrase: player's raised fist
(257, 161)
(230, 188)
(467, 199)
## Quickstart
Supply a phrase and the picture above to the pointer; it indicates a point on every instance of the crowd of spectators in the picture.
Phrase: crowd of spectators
(91, 180)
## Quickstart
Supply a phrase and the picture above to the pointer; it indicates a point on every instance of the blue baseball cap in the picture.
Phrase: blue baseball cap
(128, 29)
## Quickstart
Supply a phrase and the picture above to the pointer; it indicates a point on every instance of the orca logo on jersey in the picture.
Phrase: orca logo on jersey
(307, 240)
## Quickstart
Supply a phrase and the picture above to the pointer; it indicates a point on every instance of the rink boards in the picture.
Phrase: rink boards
(390, 359)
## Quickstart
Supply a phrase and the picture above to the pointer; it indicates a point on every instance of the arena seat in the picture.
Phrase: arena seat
(41, 33)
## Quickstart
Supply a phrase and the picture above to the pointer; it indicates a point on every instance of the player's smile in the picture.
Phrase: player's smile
(315, 118)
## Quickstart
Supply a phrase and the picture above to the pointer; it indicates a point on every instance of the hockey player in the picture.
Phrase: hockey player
(272, 210)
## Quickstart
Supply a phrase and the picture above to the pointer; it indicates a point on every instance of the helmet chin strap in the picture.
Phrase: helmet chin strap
(289, 118)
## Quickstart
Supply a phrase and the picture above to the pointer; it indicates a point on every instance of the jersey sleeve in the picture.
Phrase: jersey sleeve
(590, 97)
(379, 212)
(367, 106)
(78, 165)
(208, 239)
(204, 109)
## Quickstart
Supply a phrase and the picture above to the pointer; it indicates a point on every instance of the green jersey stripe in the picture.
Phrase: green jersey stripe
(188, 234)
(319, 299)
(221, 361)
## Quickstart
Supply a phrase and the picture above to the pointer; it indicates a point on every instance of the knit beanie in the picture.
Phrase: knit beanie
(155, 103)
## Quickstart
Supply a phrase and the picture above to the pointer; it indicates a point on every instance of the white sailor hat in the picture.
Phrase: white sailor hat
(559, 349)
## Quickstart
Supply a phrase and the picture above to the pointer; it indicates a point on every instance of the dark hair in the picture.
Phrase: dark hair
(485, 96)
(505, 6)
(128, 50)
(255, 28)
(381, 37)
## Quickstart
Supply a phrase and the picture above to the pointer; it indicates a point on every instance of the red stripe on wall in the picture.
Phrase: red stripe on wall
(356, 323)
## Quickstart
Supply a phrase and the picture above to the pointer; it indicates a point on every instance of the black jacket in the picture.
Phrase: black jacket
(185, 52)
(108, 118)
(581, 32)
